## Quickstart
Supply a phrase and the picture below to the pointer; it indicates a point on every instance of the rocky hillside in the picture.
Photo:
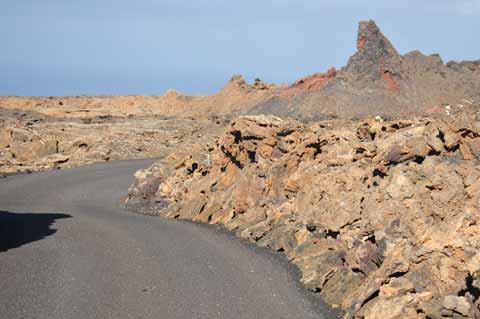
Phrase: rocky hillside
(380, 216)
(378, 81)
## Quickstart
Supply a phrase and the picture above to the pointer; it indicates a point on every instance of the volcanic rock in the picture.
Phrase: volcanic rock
(378, 81)
(5, 137)
(377, 204)
(378, 215)
(236, 96)
(33, 142)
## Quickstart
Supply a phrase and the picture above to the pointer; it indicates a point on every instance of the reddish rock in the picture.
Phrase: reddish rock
(309, 83)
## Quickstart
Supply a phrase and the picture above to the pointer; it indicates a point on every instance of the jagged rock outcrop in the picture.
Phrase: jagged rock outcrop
(379, 81)
(380, 216)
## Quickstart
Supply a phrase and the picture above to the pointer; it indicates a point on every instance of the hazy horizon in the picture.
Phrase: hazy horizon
(111, 47)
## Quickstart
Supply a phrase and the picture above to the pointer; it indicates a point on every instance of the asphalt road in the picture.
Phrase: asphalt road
(68, 251)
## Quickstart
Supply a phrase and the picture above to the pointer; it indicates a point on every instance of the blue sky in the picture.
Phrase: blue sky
(85, 47)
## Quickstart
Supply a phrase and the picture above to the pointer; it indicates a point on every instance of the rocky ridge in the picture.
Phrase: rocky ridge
(377, 80)
(380, 216)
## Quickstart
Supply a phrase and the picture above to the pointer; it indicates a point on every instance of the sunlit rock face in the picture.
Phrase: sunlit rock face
(380, 216)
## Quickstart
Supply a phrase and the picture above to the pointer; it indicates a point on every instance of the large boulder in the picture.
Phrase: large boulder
(5, 137)
(34, 150)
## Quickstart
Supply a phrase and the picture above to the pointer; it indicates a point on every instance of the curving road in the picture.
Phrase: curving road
(68, 251)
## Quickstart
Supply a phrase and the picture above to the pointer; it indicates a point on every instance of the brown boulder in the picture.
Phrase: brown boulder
(5, 138)
(31, 151)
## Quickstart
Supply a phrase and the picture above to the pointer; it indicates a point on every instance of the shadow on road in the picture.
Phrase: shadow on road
(17, 229)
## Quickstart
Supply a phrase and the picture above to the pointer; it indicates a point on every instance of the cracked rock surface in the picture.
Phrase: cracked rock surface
(381, 217)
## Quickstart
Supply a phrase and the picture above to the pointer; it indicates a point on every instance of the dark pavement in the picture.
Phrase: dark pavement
(68, 251)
